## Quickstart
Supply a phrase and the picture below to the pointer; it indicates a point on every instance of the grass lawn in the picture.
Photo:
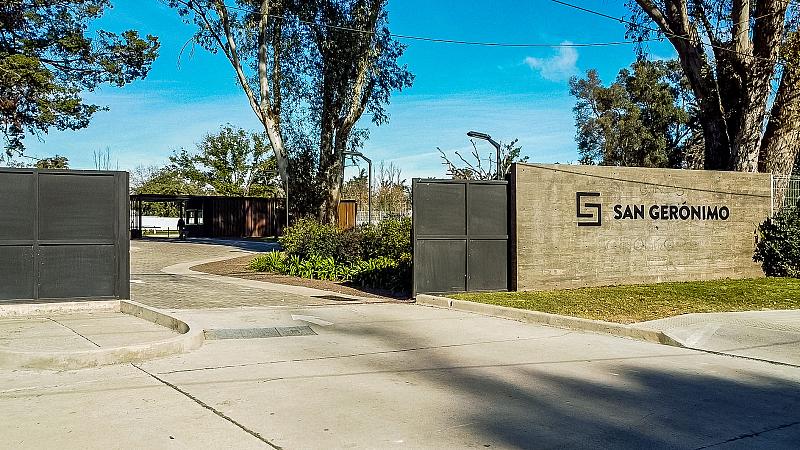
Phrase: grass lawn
(637, 303)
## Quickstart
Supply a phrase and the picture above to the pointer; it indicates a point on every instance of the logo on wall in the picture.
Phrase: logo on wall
(589, 211)
(583, 203)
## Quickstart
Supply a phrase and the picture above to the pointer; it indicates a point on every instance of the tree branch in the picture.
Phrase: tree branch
(233, 57)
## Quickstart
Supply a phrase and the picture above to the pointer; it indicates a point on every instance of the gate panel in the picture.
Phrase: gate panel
(76, 207)
(16, 271)
(71, 271)
(440, 209)
(460, 235)
(441, 263)
(488, 265)
(63, 234)
(488, 214)
(17, 197)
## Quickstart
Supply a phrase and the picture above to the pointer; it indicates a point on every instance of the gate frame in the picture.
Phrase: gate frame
(121, 239)
(510, 230)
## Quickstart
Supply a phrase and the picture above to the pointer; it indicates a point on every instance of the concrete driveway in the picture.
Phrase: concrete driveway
(766, 335)
(403, 376)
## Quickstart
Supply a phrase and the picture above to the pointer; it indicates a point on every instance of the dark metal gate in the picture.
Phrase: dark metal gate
(63, 235)
(460, 235)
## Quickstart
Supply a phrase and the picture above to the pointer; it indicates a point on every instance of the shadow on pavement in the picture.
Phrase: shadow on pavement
(634, 402)
(252, 245)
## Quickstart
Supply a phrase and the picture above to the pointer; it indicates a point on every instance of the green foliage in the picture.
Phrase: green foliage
(48, 60)
(778, 248)
(646, 118)
(269, 262)
(55, 162)
(233, 162)
(349, 246)
(308, 238)
(390, 238)
(377, 257)
(166, 181)
(384, 273)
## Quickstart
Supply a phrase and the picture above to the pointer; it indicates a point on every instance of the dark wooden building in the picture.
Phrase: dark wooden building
(232, 217)
(215, 216)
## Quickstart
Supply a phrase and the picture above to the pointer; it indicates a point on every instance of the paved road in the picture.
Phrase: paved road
(403, 376)
(150, 285)
(767, 335)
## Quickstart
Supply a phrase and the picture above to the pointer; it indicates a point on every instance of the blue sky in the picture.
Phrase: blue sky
(507, 92)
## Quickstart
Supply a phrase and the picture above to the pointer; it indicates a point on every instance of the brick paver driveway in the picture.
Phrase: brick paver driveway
(151, 286)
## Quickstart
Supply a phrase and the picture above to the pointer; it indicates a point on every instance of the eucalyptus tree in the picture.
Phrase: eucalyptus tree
(353, 69)
(258, 39)
(742, 61)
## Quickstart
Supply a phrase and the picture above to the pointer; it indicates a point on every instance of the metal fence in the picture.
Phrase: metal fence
(63, 234)
(785, 192)
(362, 216)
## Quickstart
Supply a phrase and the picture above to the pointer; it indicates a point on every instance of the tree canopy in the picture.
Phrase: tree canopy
(647, 118)
(232, 162)
(354, 68)
(54, 162)
(329, 60)
(48, 59)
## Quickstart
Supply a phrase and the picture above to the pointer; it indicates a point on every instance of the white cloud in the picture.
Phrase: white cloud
(558, 67)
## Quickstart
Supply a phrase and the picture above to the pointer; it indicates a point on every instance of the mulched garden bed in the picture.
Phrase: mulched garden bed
(237, 267)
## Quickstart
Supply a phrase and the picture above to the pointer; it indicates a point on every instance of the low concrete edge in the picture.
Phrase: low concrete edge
(32, 309)
(191, 338)
(553, 320)
(185, 269)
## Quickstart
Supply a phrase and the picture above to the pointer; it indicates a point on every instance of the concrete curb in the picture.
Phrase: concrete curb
(184, 269)
(191, 337)
(32, 309)
(553, 320)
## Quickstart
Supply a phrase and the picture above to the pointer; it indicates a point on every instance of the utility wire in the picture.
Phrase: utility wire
(666, 33)
(448, 41)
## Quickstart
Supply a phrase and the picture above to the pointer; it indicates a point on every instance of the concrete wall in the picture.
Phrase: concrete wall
(653, 225)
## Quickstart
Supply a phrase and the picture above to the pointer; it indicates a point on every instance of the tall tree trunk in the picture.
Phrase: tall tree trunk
(756, 73)
(684, 37)
(781, 144)
(733, 98)
(345, 97)
(332, 179)
(328, 172)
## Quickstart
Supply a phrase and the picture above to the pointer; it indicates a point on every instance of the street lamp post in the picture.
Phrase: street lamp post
(353, 153)
(486, 137)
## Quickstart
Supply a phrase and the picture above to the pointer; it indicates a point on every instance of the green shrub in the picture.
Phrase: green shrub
(384, 273)
(308, 238)
(390, 238)
(377, 257)
(778, 247)
(269, 262)
(349, 246)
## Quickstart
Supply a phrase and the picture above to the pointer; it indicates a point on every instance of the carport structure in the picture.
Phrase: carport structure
(217, 216)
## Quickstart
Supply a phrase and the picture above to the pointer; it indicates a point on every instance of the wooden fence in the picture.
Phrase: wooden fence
(346, 217)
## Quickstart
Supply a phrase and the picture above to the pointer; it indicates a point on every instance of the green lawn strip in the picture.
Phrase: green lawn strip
(641, 302)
